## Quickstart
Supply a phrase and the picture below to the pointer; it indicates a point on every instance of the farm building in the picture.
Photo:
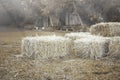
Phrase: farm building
(67, 18)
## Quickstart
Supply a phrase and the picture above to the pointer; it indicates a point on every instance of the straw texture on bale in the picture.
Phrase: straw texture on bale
(106, 29)
(46, 46)
(93, 48)
(29, 47)
(79, 35)
(114, 47)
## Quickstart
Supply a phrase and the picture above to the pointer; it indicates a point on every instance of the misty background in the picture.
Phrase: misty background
(19, 13)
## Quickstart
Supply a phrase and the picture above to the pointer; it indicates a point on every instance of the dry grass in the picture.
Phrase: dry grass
(16, 68)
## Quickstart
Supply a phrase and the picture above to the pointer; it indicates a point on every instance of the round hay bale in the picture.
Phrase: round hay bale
(106, 29)
(93, 48)
(114, 47)
(46, 46)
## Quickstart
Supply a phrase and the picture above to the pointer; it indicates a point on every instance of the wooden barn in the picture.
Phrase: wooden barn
(69, 18)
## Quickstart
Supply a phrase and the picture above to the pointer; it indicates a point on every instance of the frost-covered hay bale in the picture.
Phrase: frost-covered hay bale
(79, 35)
(28, 47)
(46, 46)
(106, 29)
(52, 46)
(114, 47)
(93, 48)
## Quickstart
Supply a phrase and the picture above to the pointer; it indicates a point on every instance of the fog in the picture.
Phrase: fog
(22, 12)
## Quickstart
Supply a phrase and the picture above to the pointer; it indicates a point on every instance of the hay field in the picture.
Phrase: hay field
(14, 67)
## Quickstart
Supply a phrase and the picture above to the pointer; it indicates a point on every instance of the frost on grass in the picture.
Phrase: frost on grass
(78, 35)
(42, 47)
(92, 47)
(106, 29)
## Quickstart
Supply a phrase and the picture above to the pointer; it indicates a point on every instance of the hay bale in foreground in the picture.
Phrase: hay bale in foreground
(46, 46)
(93, 48)
(114, 47)
(106, 29)
(79, 35)
(53, 46)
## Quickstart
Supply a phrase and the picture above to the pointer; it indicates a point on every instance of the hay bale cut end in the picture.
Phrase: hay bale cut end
(106, 29)
(46, 46)
(114, 47)
(91, 48)
(29, 47)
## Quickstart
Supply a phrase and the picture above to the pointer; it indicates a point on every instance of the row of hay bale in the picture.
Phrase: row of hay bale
(82, 44)
(86, 45)
(45, 46)
(41, 47)
(92, 47)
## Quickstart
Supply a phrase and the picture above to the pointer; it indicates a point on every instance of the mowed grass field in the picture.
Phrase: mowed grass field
(15, 67)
